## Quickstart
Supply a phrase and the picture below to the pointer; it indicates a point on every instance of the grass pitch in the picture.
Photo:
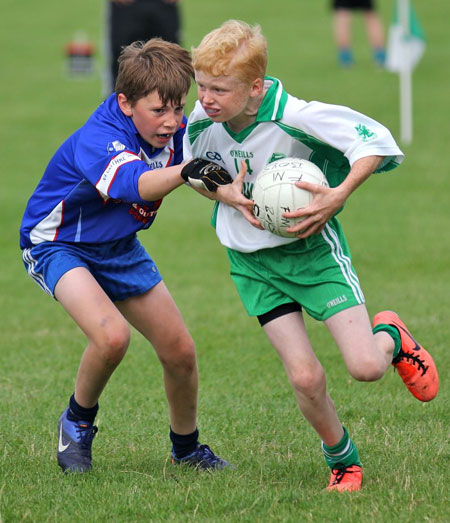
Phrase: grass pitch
(397, 225)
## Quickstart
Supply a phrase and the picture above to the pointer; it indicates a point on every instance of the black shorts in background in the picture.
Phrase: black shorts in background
(367, 5)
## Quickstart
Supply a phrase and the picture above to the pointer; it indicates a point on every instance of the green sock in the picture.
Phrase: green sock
(343, 454)
(393, 333)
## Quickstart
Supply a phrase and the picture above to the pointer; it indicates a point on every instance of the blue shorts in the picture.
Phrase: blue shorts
(122, 268)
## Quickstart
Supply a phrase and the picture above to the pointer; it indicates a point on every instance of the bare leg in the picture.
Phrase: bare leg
(375, 30)
(366, 356)
(342, 20)
(106, 329)
(306, 375)
(157, 317)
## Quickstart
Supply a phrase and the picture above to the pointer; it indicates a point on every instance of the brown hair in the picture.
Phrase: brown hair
(234, 48)
(155, 65)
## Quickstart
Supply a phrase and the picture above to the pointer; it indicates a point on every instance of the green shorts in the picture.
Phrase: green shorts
(316, 273)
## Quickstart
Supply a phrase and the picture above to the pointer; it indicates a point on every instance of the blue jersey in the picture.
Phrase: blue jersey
(89, 190)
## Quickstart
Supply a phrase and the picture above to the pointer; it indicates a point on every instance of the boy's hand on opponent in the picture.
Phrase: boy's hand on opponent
(205, 175)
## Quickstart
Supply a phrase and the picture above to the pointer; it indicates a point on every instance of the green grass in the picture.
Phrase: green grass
(397, 225)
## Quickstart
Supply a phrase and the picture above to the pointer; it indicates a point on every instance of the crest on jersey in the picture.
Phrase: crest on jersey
(115, 146)
(364, 133)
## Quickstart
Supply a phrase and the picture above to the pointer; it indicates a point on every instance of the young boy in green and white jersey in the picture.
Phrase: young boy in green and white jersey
(243, 120)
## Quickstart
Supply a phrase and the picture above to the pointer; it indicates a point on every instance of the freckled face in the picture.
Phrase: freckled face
(222, 97)
(154, 121)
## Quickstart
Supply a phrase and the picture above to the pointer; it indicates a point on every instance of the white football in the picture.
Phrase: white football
(275, 192)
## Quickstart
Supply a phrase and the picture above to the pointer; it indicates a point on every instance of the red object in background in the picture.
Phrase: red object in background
(80, 56)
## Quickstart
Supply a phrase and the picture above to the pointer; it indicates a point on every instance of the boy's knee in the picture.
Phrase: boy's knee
(367, 369)
(181, 358)
(113, 342)
(308, 381)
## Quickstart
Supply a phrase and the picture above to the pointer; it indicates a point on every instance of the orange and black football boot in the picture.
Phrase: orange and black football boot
(346, 479)
(414, 364)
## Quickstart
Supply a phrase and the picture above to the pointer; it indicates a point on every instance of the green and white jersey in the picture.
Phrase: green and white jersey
(331, 136)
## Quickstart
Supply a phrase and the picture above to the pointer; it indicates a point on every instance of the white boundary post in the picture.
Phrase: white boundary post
(406, 120)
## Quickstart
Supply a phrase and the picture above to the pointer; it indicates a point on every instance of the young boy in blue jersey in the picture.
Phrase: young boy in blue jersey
(78, 237)
(243, 114)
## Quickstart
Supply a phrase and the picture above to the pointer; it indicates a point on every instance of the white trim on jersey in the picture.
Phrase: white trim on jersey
(276, 105)
(36, 276)
(343, 261)
(47, 229)
(78, 234)
(108, 175)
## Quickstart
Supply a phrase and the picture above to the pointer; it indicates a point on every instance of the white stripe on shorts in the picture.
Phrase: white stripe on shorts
(343, 261)
(36, 276)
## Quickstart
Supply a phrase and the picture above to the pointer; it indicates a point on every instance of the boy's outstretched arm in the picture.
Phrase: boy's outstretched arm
(155, 184)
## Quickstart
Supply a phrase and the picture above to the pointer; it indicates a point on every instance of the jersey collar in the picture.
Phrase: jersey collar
(274, 101)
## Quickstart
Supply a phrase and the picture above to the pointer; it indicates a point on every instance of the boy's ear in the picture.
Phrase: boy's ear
(257, 87)
(124, 105)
